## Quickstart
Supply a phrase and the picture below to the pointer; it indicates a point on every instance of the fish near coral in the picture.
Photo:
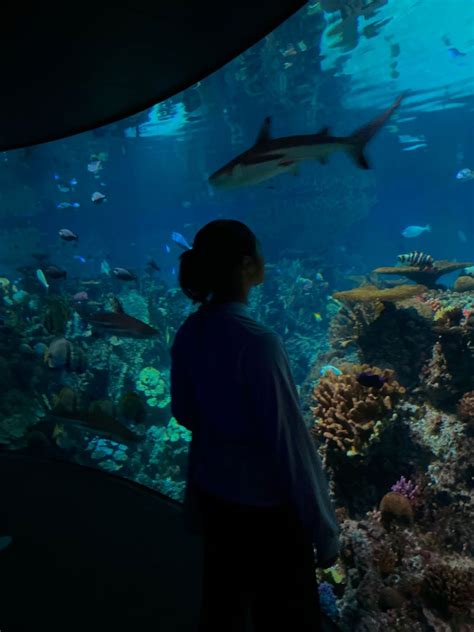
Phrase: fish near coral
(58, 354)
(98, 423)
(416, 259)
(371, 380)
(61, 354)
(53, 272)
(123, 274)
(348, 417)
(117, 322)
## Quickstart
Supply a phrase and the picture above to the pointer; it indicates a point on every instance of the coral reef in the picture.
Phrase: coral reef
(349, 416)
(161, 459)
(466, 407)
(56, 315)
(131, 407)
(371, 293)
(351, 321)
(428, 276)
(327, 600)
(395, 507)
(109, 456)
(154, 386)
(449, 590)
(407, 488)
(464, 284)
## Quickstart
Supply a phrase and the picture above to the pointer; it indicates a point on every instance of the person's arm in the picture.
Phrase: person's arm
(282, 430)
(181, 390)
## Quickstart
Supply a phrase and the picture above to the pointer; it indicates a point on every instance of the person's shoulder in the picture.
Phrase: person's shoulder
(184, 330)
(263, 341)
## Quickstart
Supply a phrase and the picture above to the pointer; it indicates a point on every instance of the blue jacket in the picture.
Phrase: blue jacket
(231, 385)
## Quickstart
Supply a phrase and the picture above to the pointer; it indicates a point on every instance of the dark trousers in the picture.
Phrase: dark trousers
(258, 565)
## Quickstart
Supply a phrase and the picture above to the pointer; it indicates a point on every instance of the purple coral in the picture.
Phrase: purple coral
(406, 488)
(327, 600)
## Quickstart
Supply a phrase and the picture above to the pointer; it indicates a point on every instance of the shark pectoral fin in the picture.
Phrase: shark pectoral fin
(357, 153)
(290, 165)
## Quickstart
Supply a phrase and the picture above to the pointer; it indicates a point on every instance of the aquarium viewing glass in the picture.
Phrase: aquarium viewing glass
(369, 282)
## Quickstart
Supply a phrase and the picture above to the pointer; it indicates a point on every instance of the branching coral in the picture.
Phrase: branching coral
(349, 416)
(370, 293)
(407, 488)
(428, 276)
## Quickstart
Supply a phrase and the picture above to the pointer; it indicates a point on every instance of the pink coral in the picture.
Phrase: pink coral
(406, 488)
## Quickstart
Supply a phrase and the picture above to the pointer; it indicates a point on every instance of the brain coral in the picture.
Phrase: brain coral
(349, 416)
(395, 506)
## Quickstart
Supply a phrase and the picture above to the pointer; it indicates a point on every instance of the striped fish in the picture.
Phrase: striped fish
(416, 259)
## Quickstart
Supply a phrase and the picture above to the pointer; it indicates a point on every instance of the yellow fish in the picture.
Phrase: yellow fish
(317, 316)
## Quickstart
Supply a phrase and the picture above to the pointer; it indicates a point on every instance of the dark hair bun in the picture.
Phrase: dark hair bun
(211, 266)
(192, 276)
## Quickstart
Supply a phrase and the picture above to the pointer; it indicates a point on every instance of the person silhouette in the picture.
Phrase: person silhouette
(256, 491)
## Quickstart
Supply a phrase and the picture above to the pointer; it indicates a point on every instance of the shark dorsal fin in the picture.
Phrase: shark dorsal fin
(324, 131)
(116, 305)
(264, 134)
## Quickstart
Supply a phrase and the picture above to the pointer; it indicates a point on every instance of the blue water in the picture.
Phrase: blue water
(155, 179)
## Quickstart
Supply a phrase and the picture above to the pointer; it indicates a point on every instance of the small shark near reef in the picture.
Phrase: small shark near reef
(270, 157)
(118, 323)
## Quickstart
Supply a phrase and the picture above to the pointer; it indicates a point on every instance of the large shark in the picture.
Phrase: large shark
(270, 157)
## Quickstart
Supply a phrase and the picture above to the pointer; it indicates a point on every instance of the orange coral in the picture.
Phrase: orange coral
(349, 416)
(370, 293)
(395, 506)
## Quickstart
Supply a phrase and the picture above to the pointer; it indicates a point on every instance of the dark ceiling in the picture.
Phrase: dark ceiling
(71, 68)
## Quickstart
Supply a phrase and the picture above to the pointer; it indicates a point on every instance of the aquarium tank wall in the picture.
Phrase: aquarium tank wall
(349, 132)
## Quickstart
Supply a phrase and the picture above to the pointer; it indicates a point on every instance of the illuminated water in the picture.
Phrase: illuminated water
(333, 220)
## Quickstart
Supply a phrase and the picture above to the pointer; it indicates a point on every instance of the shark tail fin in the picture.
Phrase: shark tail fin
(359, 139)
